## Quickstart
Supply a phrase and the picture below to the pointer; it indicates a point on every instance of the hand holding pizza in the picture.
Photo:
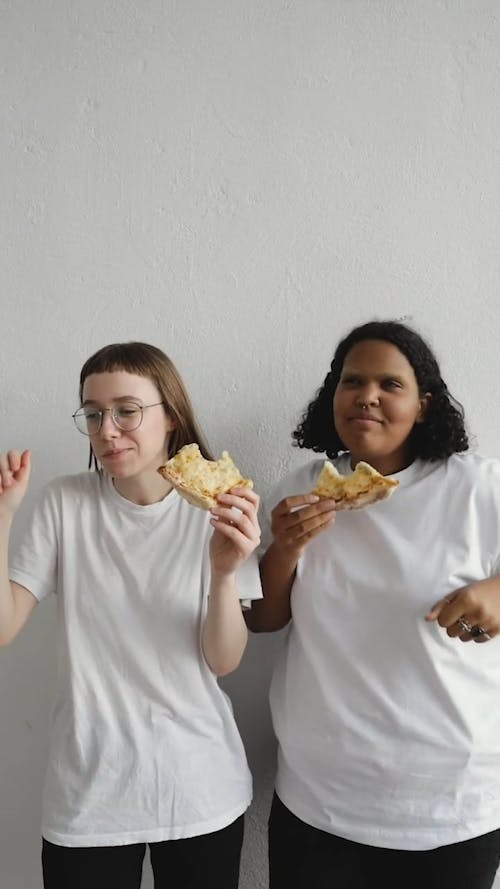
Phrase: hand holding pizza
(296, 520)
(471, 612)
(218, 486)
(236, 529)
(14, 476)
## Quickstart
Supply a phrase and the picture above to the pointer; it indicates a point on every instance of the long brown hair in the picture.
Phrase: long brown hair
(149, 361)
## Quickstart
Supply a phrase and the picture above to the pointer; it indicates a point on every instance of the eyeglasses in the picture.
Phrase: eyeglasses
(127, 417)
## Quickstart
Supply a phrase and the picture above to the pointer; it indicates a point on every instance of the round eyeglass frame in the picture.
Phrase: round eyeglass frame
(140, 408)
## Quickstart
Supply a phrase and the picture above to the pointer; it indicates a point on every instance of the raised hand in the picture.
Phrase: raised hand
(296, 520)
(236, 530)
(14, 476)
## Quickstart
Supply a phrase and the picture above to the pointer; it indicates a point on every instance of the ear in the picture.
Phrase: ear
(171, 424)
(424, 402)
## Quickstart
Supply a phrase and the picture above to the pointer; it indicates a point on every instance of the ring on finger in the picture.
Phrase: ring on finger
(464, 624)
(478, 632)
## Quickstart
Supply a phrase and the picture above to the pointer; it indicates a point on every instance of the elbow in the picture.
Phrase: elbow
(266, 623)
(223, 659)
(254, 621)
(271, 627)
(8, 634)
(224, 666)
(256, 626)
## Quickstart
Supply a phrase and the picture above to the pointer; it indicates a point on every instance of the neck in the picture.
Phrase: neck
(142, 490)
(385, 465)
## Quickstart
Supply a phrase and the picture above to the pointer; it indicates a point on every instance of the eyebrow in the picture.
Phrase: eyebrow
(122, 398)
(386, 374)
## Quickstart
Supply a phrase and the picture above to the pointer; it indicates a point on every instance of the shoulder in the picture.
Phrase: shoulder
(476, 480)
(72, 487)
(474, 469)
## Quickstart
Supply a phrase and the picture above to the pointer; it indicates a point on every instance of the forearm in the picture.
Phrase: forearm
(277, 571)
(7, 605)
(224, 635)
(16, 602)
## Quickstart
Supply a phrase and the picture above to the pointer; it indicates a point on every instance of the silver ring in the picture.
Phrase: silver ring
(478, 631)
(465, 625)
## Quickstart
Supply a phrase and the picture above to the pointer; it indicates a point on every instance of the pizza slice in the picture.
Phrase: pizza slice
(361, 488)
(199, 480)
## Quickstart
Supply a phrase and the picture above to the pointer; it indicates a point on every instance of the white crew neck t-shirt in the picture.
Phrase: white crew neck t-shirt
(388, 730)
(144, 745)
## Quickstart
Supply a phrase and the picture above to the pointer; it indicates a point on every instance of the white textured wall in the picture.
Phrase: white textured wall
(238, 183)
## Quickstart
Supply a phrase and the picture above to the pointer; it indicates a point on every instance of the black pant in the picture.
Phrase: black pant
(303, 857)
(212, 859)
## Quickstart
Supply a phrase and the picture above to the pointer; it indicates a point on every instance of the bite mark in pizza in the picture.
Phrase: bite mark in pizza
(357, 490)
(199, 480)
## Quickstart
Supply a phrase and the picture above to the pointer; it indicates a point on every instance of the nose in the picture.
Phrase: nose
(368, 395)
(108, 428)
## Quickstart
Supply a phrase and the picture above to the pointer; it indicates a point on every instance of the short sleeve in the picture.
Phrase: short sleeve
(34, 564)
(248, 581)
(495, 518)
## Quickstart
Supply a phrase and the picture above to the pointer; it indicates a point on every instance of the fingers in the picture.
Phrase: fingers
(245, 541)
(238, 502)
(23, 473)
(476, 632)
(14, 470)
(237, 515)
(466, 631)
(471, 613)
(296, 520)
(26, 459)
(9, 464)
(437, 608)
(291, 503)
(243, 499)
(237, 522)
(12, 464)
(245, 493)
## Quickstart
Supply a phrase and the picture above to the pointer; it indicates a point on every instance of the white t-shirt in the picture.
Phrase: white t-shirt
(388, 730)
(144, 745)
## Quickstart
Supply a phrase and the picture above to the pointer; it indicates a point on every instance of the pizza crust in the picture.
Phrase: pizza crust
(198, 480)
(361, 488)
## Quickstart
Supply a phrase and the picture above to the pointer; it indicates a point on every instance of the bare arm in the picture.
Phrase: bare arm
(16, 602)
(277, 572)
(295, 522)
(224, 632)
(236, 535)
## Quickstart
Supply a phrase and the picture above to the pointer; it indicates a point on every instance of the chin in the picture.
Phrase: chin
(116, 471)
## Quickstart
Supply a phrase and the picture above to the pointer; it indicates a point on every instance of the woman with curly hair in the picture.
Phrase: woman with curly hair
(386, 715)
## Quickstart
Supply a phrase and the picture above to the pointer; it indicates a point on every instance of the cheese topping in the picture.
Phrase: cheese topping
(200, 480)
(355, 491)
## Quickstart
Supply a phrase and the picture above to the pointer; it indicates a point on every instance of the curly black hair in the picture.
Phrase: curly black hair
(442, 432)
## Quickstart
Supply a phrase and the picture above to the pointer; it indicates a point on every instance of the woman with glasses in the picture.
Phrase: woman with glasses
(144, 746)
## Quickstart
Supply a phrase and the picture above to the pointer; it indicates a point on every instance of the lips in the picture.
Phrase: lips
(108, 454)
(364, 416)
